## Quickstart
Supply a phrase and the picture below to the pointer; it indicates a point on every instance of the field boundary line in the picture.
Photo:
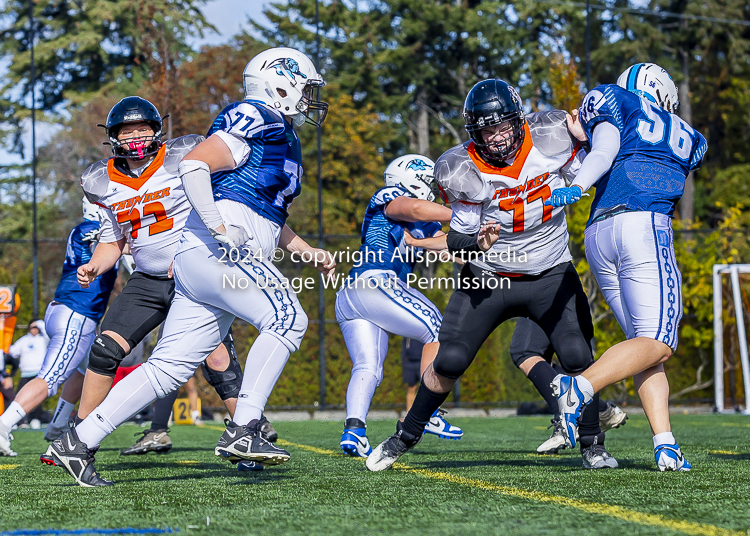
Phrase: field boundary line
(617, 512)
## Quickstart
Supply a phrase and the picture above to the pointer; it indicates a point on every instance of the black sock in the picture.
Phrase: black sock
(602, 405)
(425, 404)
(587, 441)
(541, 375)
(354, 423)
(589, 423)
(162, 411)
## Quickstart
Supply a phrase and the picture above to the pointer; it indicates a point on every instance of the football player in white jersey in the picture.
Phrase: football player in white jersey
(240, 182)
(519, 263)
(641, 153)
(376, 299)
(143, 203)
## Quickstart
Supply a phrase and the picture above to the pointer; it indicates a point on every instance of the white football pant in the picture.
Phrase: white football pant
(366, 316)
(71, 335)
(632, 258)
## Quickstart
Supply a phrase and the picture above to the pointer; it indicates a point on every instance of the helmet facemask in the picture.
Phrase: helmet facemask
(310, 106)
(503, 149)
(137, 147)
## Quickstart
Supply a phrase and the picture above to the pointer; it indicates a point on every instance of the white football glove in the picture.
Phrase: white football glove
(235, 236)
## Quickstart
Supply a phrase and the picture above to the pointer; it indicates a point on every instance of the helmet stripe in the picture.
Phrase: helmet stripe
(633, 76)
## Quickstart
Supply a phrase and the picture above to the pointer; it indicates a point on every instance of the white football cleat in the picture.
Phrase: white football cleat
(670, 458)
(389, 451)
(354, 442)
(442, 428)
(570, 403)
(5, 449)
(612, 417)
(556, 441)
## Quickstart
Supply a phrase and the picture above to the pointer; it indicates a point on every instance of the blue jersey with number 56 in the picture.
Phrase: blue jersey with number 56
(268, 178)
(657, 151)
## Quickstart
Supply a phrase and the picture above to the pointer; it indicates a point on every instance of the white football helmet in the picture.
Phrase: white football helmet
(653, 83)
(90, 211)
(413, 172)
(286, 80)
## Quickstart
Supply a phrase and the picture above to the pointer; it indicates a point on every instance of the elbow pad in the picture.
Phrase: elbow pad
(461, 242)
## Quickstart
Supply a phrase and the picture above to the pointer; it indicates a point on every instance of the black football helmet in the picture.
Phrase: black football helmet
(134, 110)
(492, 102)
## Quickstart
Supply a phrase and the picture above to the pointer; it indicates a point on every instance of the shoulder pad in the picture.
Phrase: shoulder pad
(387, 194)
(178, 148)
(95, 180)
(550, 134)
(457, 176)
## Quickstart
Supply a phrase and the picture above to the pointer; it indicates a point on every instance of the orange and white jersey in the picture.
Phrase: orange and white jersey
(534, 237)
(149, 208)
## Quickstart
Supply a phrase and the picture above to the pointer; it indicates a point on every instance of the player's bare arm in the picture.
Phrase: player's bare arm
(322, 260)
(437, 242)
(104, 257)
(409, 209)
(574, 125)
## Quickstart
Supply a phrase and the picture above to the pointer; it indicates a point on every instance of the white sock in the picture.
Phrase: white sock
(62, 413)
(586, 388)
(264, 364)
(11, 417)
(664, 438)
(359, 394)
(128, 397)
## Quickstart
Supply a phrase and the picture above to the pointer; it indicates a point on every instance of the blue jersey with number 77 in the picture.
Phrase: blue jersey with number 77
(268, 179)
(657, 151)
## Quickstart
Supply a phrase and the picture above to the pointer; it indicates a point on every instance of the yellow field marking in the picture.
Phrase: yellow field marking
(729, 452)
(617, 512)
(9, 466)
(735, 424)
(188, 462)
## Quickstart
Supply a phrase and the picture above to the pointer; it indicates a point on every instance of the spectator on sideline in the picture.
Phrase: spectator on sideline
(29, 352)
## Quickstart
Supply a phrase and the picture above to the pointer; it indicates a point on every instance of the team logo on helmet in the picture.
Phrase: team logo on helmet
(417, 165)
(287, 67)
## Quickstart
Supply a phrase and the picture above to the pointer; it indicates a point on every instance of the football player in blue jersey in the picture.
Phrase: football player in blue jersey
(376, 299)
(641, 153)
(240, 182)
(70, 320)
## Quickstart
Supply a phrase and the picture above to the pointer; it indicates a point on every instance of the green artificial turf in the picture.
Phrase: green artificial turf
(490, 482)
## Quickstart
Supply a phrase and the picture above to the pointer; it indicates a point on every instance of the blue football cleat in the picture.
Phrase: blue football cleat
(670, 458)
(442, 428)
(570, 402)
(354, 442)
(247, 465)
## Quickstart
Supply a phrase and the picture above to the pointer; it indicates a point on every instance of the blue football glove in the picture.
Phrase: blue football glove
(564, 196)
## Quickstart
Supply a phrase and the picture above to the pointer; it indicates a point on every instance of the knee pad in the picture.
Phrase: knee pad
(105, 355)
(452, 360)
(227, 383)
(576, 356)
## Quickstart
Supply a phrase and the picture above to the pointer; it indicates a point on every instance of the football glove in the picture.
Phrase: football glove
(235, 236)
(564, 196)
(91, 236)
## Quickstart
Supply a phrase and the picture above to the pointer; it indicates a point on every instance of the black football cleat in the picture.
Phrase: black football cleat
(78, 460)
(249, 443)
